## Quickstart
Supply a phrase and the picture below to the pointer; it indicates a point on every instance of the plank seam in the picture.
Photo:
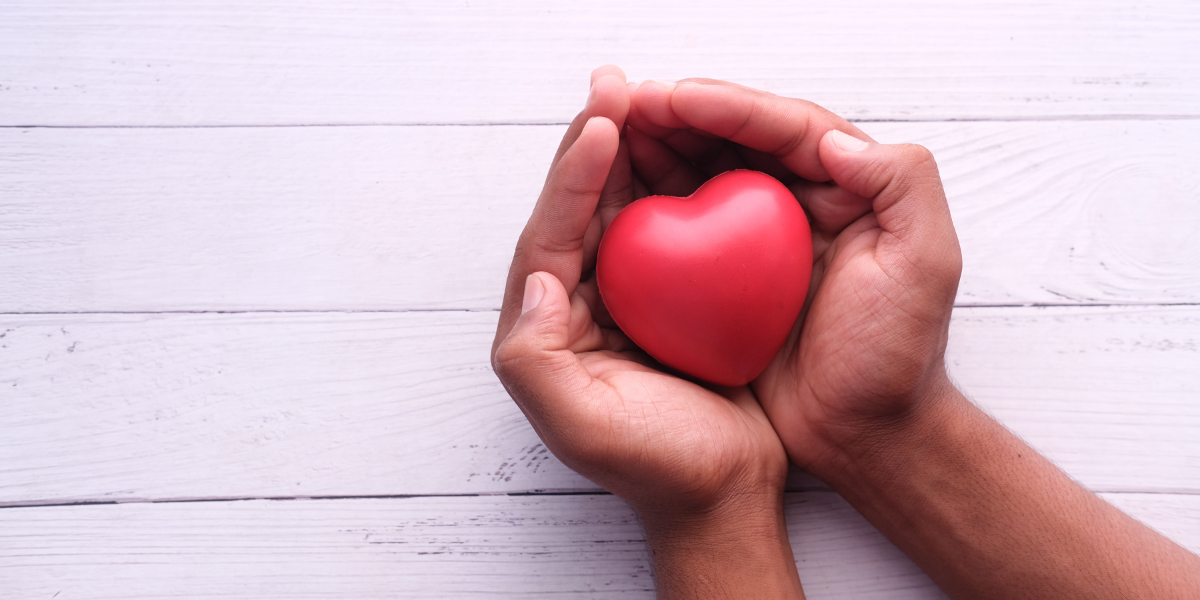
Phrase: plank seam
(97, 502)
(216, 499)
(496, 310)
(1013, 119)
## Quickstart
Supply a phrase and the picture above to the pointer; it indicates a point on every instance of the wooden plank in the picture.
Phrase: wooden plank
(1173, 515)
(260, 404)
(120, 407)
(275, 219)
(1085, 387)
(223, 62)
(465, 547)
(385, 218)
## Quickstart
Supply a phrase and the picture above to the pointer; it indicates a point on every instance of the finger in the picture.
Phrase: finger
(767, 163)
(907, 196)
(830, 207)
(618, 188)
(662, 169)
(603, 70)
(534, 360)
(786, 128)
(651, 103)
(586, 335)
(590, 293)
(712, 155)
(608, 97)
(553, 238)
(591, 245)
(617, 194)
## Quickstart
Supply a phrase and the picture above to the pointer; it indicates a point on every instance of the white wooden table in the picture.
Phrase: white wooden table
(251, 256)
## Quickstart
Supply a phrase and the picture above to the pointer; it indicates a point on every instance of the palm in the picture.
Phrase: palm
(840, 360)
(677, 434)
(850, 351)
(600, 404)
(842, 348)
(874, 330)
(665, 429)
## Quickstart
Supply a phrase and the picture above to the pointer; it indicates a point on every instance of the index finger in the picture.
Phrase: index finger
(787, 128)
(607, 97)
(554, 236)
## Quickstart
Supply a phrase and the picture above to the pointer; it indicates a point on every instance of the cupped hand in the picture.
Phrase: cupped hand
(868, 348)
(664, 444)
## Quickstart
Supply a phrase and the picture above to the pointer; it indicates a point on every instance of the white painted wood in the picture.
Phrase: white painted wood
(465, 547)
(260, 404)
(368, 218)
(122, 407)
(118, 407)
(1173, 515)
(1111, 395)
(369, 61)
(275, 219)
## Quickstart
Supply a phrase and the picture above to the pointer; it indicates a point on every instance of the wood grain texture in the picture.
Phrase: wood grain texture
(1085, 387)
(465, 547)
(1076, 185)
(120, 407)
(222, 62)
(371, 218)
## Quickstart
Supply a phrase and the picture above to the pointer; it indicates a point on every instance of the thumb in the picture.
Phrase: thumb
(534, 361)
(901, 180)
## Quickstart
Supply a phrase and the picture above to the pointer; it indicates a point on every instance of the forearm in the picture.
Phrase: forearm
(988, 517)
(737, 551)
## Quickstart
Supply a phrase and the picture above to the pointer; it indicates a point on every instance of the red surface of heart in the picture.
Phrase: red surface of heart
(710, 284)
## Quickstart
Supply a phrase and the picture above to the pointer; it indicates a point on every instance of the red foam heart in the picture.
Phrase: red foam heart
(710, 284)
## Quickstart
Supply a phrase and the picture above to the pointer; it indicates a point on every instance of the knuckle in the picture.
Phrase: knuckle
(917, 153)
(509, 360)
(915, 168)
(801, 128)
(537, 243)
(751, 114)
(918, 158)
(573, 188)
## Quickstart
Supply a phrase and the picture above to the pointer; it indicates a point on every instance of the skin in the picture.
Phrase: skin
(701, 466)
(858, 395)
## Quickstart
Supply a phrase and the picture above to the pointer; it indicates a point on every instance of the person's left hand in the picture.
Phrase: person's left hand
(666, 445)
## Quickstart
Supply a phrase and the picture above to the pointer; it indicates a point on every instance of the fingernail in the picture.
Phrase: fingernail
(534, 290)
(847, 142)
(591, 93)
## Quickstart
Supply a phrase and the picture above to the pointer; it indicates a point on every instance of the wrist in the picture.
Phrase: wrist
(881, 443)
(736, 549)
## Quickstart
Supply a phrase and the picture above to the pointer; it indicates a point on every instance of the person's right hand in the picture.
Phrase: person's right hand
(859, 394)
(867, 350)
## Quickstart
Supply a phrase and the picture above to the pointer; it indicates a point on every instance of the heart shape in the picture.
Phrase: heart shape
(710, 284)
